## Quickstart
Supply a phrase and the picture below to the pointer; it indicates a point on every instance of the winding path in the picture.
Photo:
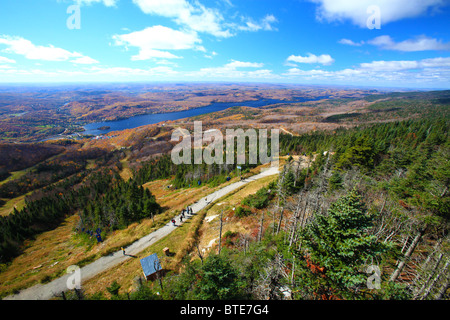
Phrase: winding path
(49, 290)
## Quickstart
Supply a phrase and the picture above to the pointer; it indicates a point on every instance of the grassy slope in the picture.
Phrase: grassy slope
(48, 256)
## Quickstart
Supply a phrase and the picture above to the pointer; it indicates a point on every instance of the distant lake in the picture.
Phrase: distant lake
(142, 120)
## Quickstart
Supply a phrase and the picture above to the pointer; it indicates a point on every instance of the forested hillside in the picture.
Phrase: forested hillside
(356, 213)
(366, 219)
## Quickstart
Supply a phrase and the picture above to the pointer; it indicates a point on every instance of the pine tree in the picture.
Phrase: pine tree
(336, 246)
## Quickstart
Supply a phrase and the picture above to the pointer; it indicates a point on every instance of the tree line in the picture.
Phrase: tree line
(102, 199)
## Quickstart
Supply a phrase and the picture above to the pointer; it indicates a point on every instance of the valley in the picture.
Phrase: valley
(390, 147)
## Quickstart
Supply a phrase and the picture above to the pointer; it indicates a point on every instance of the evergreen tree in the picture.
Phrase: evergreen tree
(219, 280)
(336, 246)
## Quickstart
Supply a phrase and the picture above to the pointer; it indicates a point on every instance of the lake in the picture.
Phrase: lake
(142, 120)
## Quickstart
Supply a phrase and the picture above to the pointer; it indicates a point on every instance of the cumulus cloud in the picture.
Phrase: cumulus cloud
(234, 70)
(421, 43)
(264, 24)
(391, 10)
(349, 42)
(197, 17)
(433, 70)
(389, 65)
(26, 48)
(6, 60)
(194, 16)
(239, 64)
(153, 42)
(324, 59)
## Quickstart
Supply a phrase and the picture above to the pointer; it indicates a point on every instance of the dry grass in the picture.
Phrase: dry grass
(14, 175)
(48, 256)
(125, 173)
(180, 242)
(10, 204)
(210, 230)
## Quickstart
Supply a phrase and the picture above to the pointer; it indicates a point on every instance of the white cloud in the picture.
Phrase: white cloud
(421, 43)
(233, 70)
(391, 10)
(435, 62)
(212, 55)
(239, 64)
(26, 48)
(324, 59)
(153, 42)
(194, 16)
(107, 3)
(349, 42)
(387, 66)
(263, 24)
(398, 73)
(84, 60)
(6, 60)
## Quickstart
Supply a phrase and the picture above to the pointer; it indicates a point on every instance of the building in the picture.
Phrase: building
(151, 266)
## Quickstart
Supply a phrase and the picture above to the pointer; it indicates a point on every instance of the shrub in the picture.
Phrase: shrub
(259, 200)
(242, 212)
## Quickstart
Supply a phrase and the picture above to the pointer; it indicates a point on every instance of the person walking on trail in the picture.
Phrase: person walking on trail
(123, 250)
(173, 222)
(181, 219)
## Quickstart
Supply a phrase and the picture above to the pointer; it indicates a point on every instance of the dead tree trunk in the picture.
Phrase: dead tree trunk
(440, 294)
(406, 242)
(280, 220)
(408, 254)
(432, 273)
(297, 171)
(220, 232)
(261, 227)
(296, 219)
(436, 279)
(281, 197)
(199, 253)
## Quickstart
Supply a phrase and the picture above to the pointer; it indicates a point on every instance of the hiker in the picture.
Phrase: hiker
(123, 250)
(192, 212)
(181, 219)
(173, 222)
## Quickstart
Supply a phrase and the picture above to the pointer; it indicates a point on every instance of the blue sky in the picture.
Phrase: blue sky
(383, 43)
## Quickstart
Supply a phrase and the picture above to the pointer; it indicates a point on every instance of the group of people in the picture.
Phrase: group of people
(188, 210)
